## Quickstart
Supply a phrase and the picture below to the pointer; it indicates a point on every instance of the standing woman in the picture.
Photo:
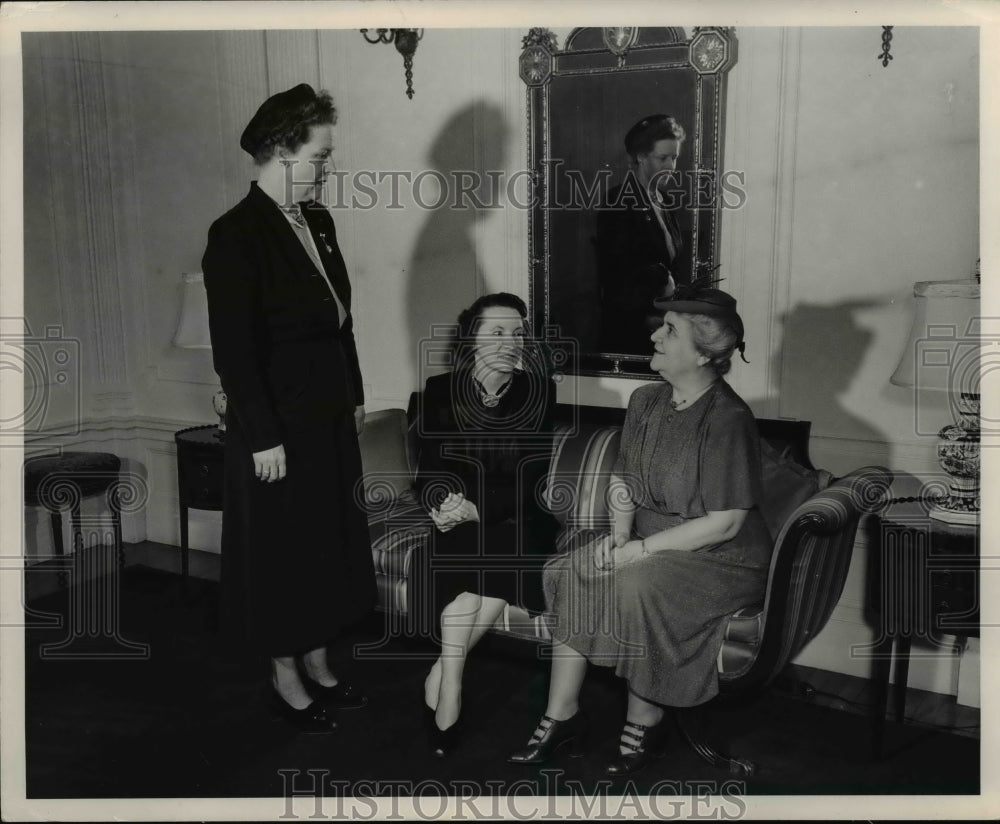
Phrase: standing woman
(639, 243)
(296, 558)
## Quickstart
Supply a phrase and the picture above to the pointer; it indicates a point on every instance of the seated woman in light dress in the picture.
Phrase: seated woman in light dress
(688, 547)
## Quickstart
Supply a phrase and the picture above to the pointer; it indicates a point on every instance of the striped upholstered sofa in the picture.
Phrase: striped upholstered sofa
(812, 517)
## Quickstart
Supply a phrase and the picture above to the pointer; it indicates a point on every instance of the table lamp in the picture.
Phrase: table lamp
(192, 329)
(942, 355)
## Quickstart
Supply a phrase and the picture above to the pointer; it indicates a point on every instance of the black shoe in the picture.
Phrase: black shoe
(441, 742)
(341, 696)
(646, 744)
(549, 735)
(314, 719)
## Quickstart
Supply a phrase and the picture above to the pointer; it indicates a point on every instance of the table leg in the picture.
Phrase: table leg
(883, 663)
(184, 543)
(902, 674)
(115, 505)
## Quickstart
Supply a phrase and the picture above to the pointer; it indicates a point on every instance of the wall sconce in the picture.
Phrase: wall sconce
(405, 41)
(885, 57)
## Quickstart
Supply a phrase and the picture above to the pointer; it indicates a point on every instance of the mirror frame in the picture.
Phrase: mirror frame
(709, 54)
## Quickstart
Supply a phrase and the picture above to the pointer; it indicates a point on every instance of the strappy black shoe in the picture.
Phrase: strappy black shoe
(313, 720)
(441, 742)
(645, 743)
(549, 735)
(341, 695)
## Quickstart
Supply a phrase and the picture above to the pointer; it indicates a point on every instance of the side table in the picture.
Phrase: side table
(923, 582)
(200, 471)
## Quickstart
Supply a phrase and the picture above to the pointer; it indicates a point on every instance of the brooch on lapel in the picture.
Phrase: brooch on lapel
(329, 248)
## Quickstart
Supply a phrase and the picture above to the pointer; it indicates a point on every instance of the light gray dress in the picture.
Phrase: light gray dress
(659, 621)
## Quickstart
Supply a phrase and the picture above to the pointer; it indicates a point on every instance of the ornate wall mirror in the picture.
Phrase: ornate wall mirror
(590, 218)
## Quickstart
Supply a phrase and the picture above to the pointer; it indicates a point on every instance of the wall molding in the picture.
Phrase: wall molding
(110, 428)
(784, 200)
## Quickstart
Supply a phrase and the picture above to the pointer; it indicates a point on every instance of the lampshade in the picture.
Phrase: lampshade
(192, 328)
(943, 350)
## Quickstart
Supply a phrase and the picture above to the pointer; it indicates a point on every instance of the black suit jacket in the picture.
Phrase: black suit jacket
(633, 263)
(284, 360)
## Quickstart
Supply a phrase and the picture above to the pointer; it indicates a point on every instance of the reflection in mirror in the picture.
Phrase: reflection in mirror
(625, 154)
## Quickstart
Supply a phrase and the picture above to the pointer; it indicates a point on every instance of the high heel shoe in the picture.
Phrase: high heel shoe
(646, 743)
(441, 742)
(313, 720)
(549, 735)
(341, 695)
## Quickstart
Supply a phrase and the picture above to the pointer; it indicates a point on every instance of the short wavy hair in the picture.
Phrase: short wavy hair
(292, 129)
(716, 338)
(644, 135)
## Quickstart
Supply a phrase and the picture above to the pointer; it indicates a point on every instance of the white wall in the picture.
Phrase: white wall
(860, 181)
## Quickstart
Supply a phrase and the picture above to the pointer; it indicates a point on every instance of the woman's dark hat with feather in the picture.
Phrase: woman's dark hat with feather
(700, 297)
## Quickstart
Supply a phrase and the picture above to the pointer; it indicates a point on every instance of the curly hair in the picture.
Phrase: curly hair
(293, 127)
(470, 318)
(716, 339)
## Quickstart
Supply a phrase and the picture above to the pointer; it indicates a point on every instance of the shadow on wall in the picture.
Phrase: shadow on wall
(822, 349)
(445, 275)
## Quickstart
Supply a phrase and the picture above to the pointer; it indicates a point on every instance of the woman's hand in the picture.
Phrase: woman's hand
(609, 554)
(628, 552)
(454, 510)
(269, 464)
(604, 553)
(359, 419)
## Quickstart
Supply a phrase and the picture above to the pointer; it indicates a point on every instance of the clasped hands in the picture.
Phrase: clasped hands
(615, 551)
(454, 510)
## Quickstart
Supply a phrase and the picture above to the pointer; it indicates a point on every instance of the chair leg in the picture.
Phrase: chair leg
(55, 518)
(691, 723)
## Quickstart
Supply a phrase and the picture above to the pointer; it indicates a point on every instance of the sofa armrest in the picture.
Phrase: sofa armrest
(383, 457)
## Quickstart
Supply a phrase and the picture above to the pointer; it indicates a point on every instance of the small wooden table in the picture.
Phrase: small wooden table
(200, 473)
(923, 582)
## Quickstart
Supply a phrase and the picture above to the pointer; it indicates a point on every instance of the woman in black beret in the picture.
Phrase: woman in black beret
(296, 558)
(639, 241)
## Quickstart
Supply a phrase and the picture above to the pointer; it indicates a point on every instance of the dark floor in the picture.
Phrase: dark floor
(822, 687)
(187, 719)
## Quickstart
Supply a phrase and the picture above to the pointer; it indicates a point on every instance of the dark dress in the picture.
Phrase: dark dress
(498, 458)
(659, 621)
(633, 265)
(296, 558)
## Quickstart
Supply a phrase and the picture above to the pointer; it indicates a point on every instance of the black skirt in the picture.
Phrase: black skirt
(502, 560)
(296, 559)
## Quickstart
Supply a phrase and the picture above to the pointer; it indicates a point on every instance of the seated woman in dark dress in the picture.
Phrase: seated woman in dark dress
(485, 445)
(688, 546)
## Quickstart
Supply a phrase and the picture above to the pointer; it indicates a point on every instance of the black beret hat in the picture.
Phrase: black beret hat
(274, 116)
(705, 301)
(650, 129)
